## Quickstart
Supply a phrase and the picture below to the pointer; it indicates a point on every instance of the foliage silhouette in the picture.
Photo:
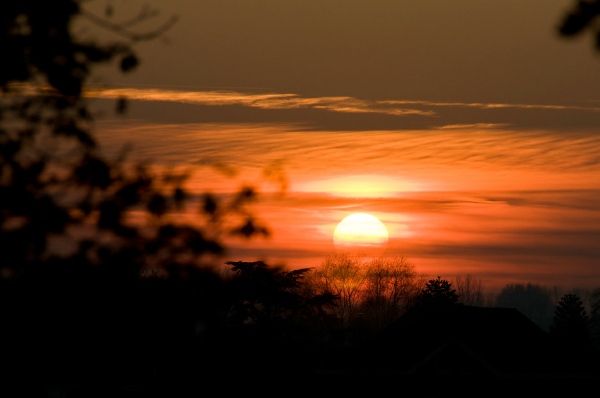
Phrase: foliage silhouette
(101, 283)
(273, 302)
(60, 197)
(582, 16)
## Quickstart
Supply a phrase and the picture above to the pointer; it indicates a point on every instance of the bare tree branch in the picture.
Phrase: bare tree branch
(123, 28)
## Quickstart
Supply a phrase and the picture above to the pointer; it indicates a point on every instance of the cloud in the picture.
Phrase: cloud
(485, 126)
(434, 159)
(482, 105)
(351, 113)
(261, 101)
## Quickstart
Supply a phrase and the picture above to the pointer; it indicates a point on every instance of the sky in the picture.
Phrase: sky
(470, 128)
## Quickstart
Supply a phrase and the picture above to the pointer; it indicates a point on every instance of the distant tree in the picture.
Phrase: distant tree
(437, 293)
(469, 290)
(534, 301)
(390, 288)
(371, 291)
(595, 317)
(264, 296)
(270, 317)
(342, 274)
(570, 322)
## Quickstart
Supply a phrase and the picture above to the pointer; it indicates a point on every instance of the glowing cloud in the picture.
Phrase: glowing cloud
(262, 101)
(360, 186)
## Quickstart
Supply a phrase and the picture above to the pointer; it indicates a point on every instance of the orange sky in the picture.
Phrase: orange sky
(476, 144)
(504, 205)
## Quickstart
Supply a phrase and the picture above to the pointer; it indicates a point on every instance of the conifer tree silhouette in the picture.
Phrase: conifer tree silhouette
(437, 293)
(571, 322)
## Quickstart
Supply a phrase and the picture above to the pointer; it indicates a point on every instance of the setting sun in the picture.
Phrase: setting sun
(361, 195)
(360, 231)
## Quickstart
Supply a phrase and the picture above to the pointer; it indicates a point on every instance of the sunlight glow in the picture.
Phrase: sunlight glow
(360, 186)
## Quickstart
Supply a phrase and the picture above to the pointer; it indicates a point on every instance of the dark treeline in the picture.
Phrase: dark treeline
(91, 333)
(105, 290)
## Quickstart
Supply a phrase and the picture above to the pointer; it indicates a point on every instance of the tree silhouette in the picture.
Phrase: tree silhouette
(371, 290)
(533, 300)
(391, 285)
(469, 290)
(437, 293)
(595, 317)
(570, 322)
(267, 296)
(343, 275)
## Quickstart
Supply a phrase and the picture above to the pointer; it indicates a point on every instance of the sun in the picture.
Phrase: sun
(360, 232)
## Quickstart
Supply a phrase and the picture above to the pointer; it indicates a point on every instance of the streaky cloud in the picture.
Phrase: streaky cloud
(262, 101)
(474, 126)
(482, 105)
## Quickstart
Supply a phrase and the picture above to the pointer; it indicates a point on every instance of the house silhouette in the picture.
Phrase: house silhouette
(438, 349)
